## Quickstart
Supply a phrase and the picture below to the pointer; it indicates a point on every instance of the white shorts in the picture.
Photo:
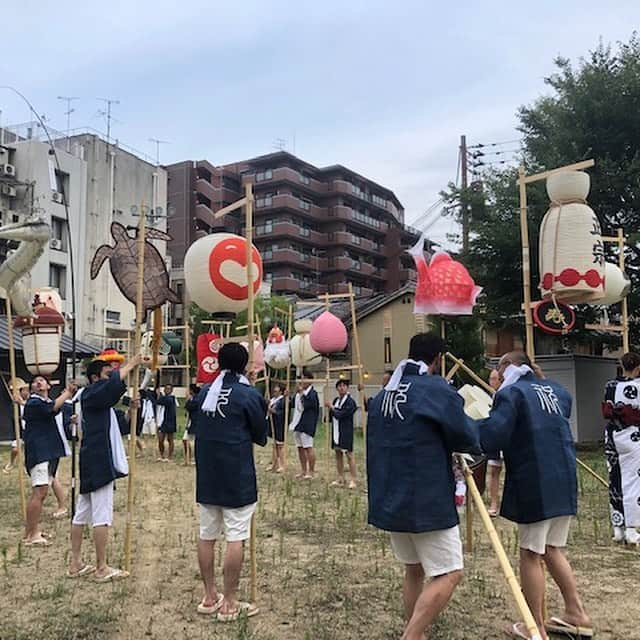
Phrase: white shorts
(95, 508)
(536, 536)
(40, 476)
(303, 440)
(438, 552)
(236, 523)
(494, 463)
(187, 436)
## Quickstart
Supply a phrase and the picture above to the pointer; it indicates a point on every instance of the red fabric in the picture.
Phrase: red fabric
(571, 277)
(207, 358)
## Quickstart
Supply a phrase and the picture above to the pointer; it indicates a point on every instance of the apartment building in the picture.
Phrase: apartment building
(317, 229)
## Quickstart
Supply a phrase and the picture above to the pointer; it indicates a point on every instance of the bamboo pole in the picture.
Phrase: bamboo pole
(356, 342)
(288, 396)
(469, 524)
(588, 469)
(134, 392)
(16, 411)
(625, 303)
(471, 372)
(327, 393)
(509, 574)
(253, 585)
(443, 358)
(526, 265)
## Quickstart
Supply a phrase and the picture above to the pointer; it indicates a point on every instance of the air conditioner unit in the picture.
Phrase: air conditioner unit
(56, 196)
(55, 243)
(8, 190)
(7, 169)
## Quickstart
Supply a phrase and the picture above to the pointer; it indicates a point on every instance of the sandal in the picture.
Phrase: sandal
(558, 625)
(113, 574)
(85, 571)
(208, 609)
(493, 513)
(57, 515)
(37, 542)
(242, 608)
(518, 630)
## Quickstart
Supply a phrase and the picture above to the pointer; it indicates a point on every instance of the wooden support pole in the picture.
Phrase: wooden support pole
(471, 372)
(248, 233)
(526, 265)
(469, 522)
(289, 394)
(16, 411)
(576, 166)
(134, 394)
(625, 303)
(505, 565)
(356, 343)
(589, 470)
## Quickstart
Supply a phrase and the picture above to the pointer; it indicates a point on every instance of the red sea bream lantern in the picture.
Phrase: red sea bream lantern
(41, 340)
(572, 267)
(215, 272)
(328, 334)
(444, 285)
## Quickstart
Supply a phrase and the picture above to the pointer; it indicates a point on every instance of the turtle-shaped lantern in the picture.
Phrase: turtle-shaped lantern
(123, 262)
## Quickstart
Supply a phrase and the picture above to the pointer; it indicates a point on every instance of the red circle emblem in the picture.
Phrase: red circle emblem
(233, 249)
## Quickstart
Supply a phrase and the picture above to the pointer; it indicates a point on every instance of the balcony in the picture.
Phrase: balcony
(203, 213)
(291, 256)
(285, 285)
(339, 287)
(341, 263)
(362, 268)
(289, 201)
(286, 174)
(342, 212)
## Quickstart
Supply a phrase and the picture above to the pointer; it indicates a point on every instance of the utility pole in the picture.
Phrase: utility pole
(68, 112)
(464, 186)
(107, 113)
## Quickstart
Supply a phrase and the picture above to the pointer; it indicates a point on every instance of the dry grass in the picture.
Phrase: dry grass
(323, 573)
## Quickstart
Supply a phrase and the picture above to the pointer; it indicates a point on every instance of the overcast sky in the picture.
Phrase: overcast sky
(383, 87)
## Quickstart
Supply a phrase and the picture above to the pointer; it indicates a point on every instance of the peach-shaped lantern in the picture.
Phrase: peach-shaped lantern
(215, 272)
(328, 334)
(41, 340)
(302, 353)
(444, 285)
(276, 350)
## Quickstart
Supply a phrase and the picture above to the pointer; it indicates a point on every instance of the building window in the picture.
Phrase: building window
(62, 183)
(58, 234)
(304, 179)
(113, 317)
(356, 239)
(305, 232)
(381, 202)
(58, 279)
(304, 204)
(268, 276)
(264, 202)
(267, 174)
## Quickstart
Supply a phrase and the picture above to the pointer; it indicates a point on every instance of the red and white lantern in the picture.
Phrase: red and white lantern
(572, 266)
(328, 334)
(41, 340)
(215, 272)
(276, 349)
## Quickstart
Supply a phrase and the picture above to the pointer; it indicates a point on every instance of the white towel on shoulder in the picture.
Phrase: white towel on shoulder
(513, 373)
(211, 401)
(394, 381)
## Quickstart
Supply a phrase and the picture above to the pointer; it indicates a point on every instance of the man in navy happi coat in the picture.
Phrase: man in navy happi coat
(43, 446)
(341, 413)
(232, 417)
(529, 422)
(168, 424)
(102, 460)
(414, 425)
(305, 429)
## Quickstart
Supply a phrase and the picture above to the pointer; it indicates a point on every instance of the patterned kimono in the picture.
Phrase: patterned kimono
(621, 409)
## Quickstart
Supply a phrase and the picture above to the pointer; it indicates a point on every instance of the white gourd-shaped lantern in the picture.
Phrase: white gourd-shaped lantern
(572, 267)
(215, 272)
(477, 402)
(41, 340)
(302, 353)
(276, 349)
(328, 334)
(616, 285)
(146, 348)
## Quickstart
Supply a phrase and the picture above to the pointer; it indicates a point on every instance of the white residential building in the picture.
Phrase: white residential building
(102, 182)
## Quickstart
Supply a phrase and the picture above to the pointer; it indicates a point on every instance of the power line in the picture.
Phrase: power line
(480, 145)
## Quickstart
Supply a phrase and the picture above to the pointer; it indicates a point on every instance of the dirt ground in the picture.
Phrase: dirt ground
(323, 573)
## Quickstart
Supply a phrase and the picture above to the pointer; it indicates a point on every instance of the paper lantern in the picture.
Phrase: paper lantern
(276, 349)
(302, 353)
(258, 356)
(571, 250)
(41, 340)
(49, 297)
(444, 285)
(328, 334)
(170, 344)
(616, 285)
(477, 402)
(216, 275)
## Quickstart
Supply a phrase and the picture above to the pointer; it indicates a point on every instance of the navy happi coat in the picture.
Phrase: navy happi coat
(191, 407)
(42, 442)
(529, 422)
(344, 416)
(310, 413)
(96, 456)
(411, 434)
(169, 420)
(277, 419)
(225, 469)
